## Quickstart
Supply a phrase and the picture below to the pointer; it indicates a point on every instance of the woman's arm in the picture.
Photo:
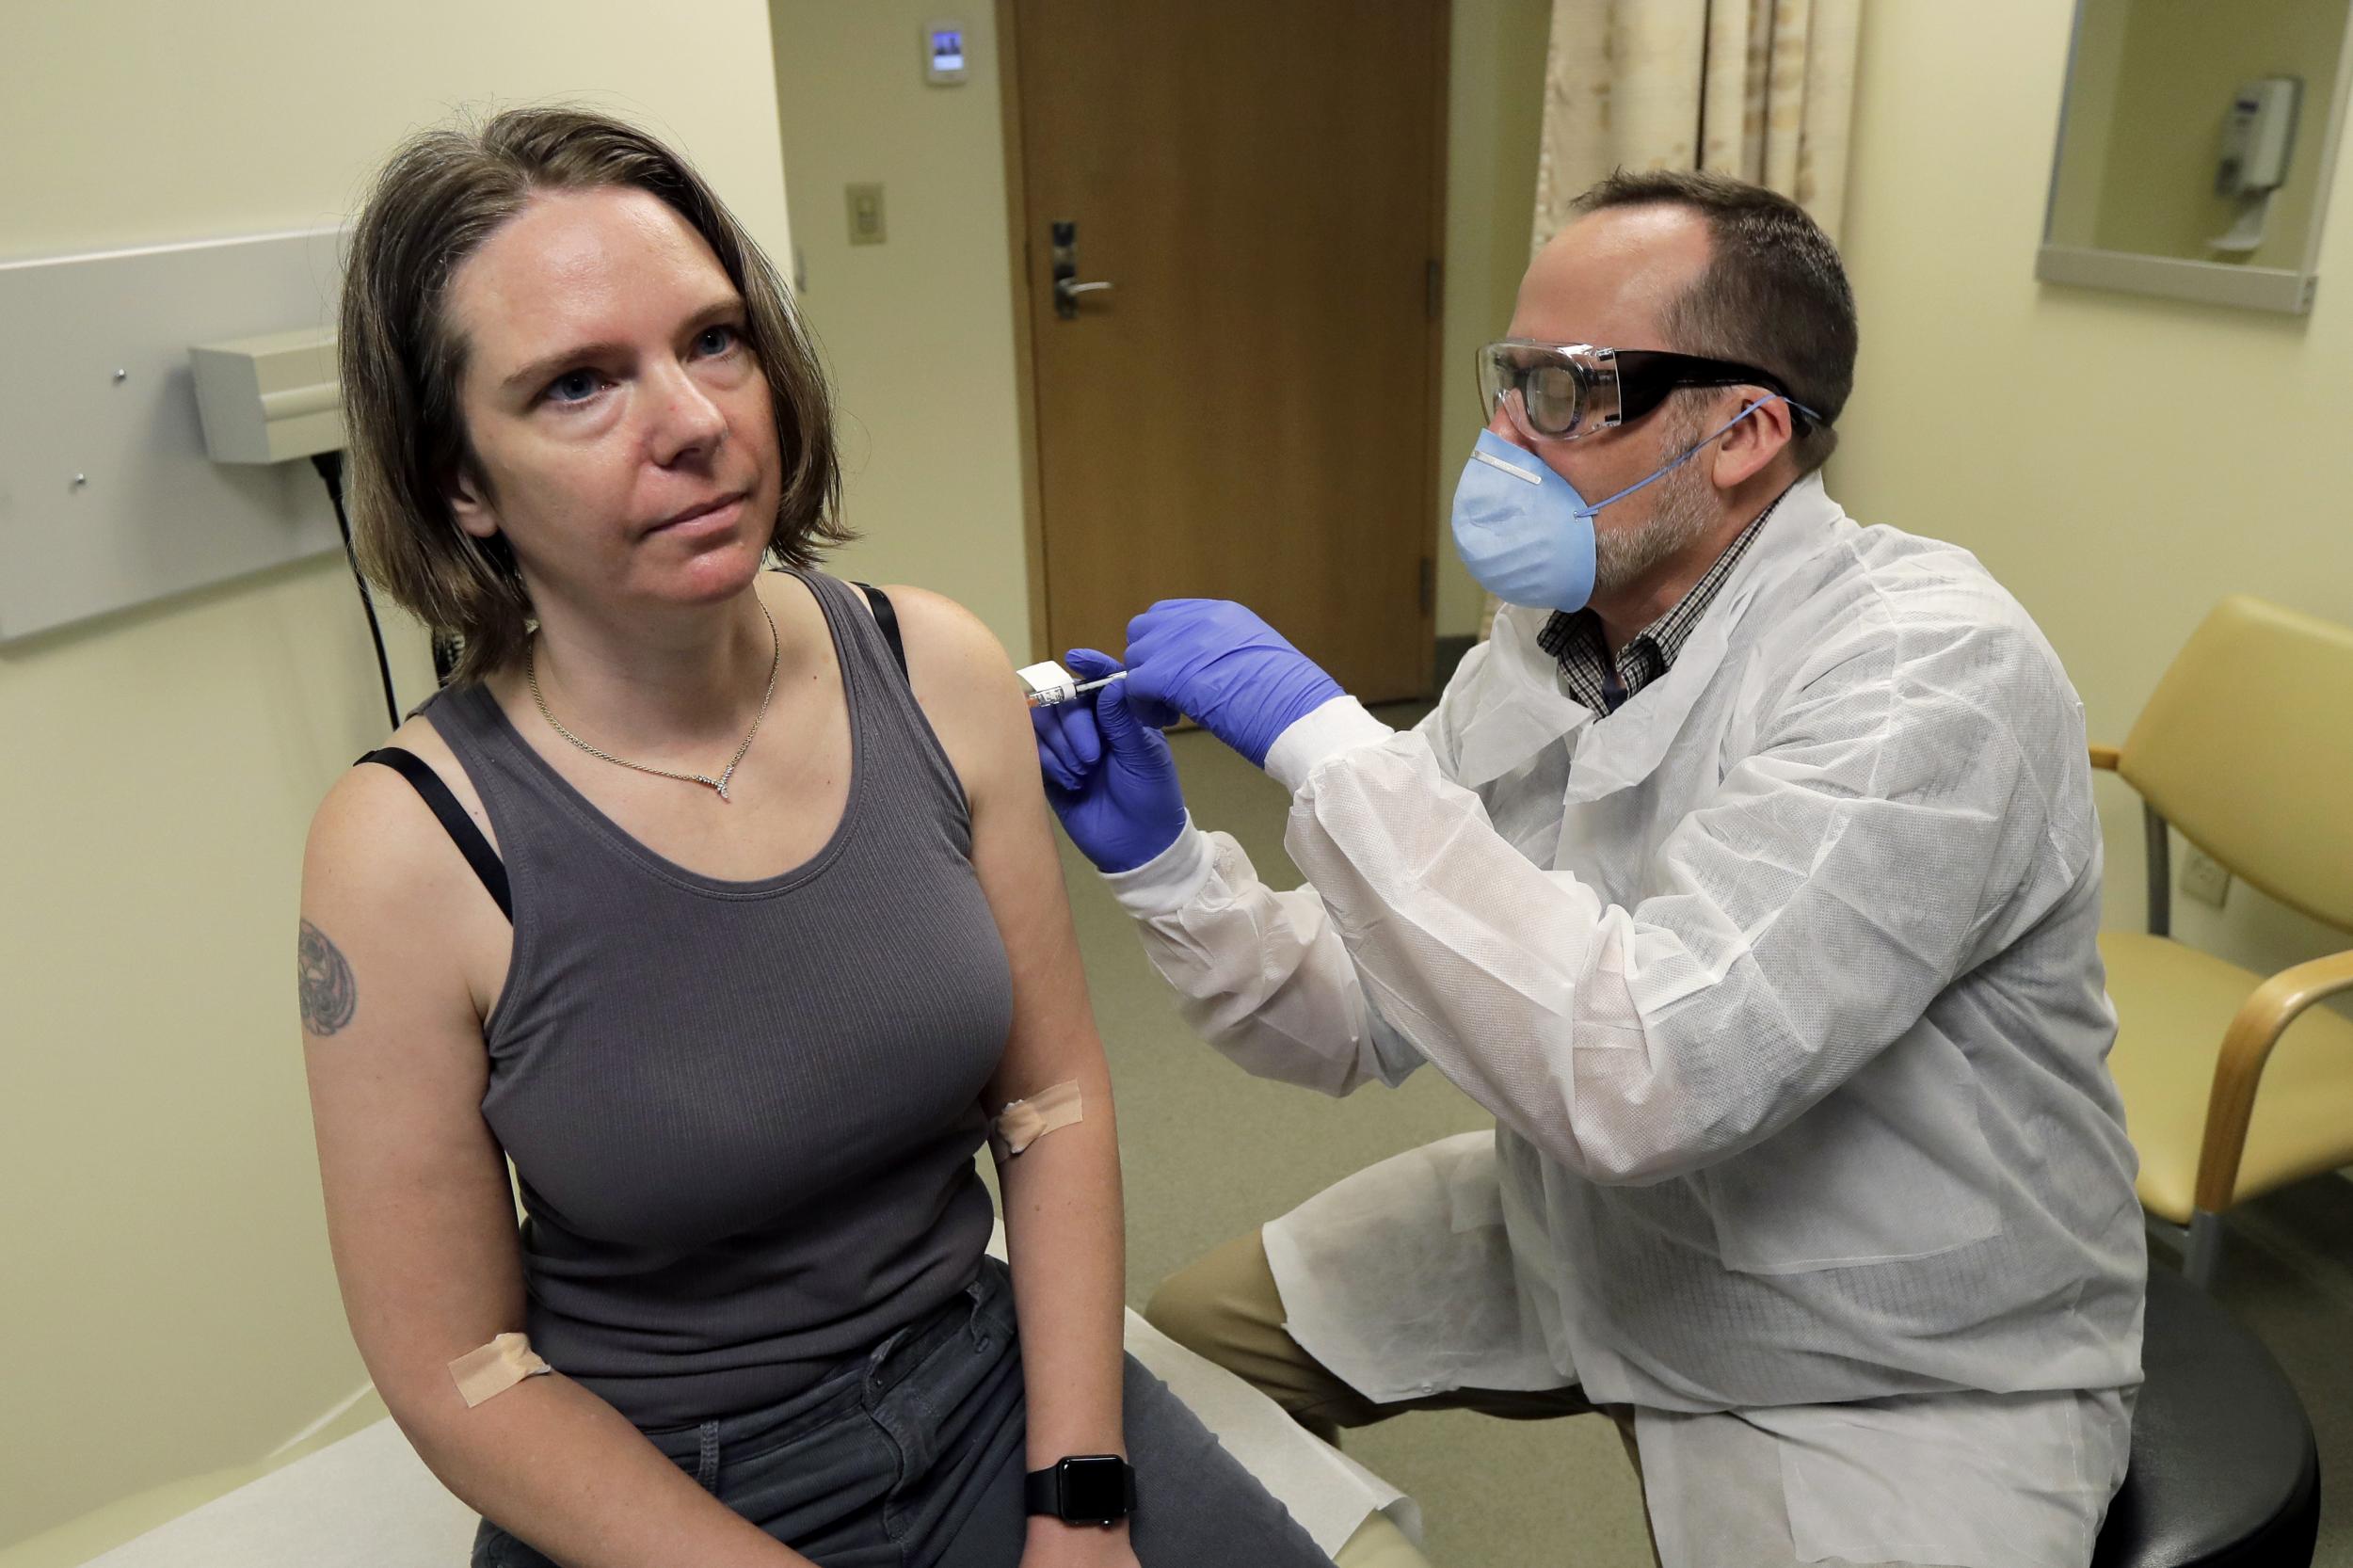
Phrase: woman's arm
(420, 1214)
(1062, 1199)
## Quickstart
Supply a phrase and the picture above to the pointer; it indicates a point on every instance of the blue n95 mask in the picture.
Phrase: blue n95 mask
(1523, 531)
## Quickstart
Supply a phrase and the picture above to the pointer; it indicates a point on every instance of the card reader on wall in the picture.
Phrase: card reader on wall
(269, 399)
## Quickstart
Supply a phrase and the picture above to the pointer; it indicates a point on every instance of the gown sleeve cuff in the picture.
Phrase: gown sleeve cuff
(1340, 725)
(1168, 881)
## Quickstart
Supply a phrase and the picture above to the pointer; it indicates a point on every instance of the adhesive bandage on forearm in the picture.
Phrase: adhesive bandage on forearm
(496, 1368)
(1024, 1122)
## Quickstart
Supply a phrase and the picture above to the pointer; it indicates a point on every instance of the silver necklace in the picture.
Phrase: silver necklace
(776, 658)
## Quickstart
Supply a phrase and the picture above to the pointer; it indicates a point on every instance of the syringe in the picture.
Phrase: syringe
(1050, 685)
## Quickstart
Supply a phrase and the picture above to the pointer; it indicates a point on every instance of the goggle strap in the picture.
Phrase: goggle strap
(1693, 452)
(1693, 370)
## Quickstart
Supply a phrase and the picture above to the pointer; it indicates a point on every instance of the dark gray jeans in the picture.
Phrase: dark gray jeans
(912, 1457)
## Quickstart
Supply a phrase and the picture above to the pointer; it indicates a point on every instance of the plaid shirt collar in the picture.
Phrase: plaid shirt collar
(1605, 685)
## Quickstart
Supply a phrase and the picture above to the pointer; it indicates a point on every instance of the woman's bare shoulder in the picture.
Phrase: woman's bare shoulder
(372, 835)
(964, 682)
(949, 638)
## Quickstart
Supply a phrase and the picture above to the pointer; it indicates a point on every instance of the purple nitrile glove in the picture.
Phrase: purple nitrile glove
(1109, 778)
(1230, 671)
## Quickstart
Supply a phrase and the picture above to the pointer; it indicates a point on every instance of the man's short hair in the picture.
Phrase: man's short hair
(1773, 293)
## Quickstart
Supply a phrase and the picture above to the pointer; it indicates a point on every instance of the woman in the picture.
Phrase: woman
(787, 927)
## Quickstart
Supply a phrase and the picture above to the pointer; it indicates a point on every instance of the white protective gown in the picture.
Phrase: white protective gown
(1781, 983)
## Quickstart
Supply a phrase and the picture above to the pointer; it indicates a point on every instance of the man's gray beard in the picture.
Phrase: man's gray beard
(1686, 509)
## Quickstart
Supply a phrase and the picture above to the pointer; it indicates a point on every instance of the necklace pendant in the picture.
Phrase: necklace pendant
(776, 657)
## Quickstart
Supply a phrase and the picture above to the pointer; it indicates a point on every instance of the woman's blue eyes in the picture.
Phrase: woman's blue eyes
(579, 386)
(575, 386)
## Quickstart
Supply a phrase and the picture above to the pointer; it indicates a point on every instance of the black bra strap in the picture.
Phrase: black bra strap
(887, 618)
(460, 827)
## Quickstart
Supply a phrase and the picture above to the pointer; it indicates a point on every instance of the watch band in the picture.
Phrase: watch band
(1044, 1491)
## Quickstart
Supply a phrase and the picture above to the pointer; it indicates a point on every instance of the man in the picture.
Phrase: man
(1749, 875)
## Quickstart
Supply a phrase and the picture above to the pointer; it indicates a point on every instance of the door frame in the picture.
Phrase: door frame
(1017, 242)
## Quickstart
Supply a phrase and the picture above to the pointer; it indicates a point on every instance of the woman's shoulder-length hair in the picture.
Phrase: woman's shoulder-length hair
(438, 198)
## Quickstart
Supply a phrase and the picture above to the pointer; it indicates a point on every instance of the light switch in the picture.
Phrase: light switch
(866, 214)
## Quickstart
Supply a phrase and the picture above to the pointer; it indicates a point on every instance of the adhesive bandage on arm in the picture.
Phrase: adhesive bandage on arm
(496, 1368)
(1024, 1122)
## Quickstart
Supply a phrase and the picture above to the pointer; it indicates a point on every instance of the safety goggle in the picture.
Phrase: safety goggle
(1562, 391)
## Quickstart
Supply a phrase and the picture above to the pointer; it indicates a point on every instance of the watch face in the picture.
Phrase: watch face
(1095, 1488)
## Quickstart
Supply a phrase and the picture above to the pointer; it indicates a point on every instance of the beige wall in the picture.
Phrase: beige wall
(169, 1304)
(1494, 121)
(934, 477)
(2119, 462)
(2093, 74)
(918, 330)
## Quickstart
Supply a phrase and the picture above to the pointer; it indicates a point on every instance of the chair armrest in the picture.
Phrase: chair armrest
(2246, 1046)
(2105, 757)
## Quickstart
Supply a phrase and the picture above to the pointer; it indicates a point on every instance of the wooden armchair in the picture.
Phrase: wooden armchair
(2246, 748)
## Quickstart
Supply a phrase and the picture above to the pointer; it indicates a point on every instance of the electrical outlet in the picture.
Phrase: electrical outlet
(2204, 879)
(866, 214)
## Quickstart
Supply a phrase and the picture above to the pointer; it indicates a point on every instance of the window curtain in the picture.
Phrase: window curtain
(1758, 90)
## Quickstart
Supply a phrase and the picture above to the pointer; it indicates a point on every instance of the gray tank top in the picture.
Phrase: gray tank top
(743, 1114)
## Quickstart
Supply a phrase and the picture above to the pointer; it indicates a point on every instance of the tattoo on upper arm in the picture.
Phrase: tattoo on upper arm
(328, 994)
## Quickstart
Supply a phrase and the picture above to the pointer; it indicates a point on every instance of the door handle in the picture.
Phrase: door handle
(1066, 293)
(1066, 285)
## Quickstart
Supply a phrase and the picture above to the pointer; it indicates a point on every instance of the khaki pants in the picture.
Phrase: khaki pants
(1226, 1306)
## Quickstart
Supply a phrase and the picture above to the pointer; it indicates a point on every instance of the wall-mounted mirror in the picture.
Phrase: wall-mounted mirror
(2196, 148)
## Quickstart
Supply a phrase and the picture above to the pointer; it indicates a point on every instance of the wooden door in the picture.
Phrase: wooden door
(1250, 411)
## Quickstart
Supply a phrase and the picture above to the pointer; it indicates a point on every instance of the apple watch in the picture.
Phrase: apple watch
(1086, 1489)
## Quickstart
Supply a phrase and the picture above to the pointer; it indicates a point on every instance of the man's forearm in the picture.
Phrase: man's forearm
(552, 1463)
(1260, 975)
